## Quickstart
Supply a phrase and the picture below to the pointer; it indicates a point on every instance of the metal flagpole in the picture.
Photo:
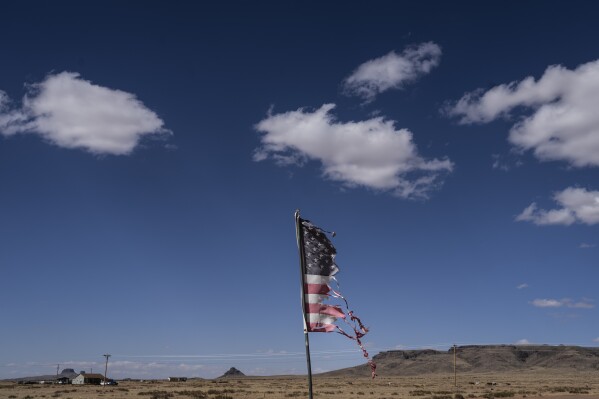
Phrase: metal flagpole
(300, 247)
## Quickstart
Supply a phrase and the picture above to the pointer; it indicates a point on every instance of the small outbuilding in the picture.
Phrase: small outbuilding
(177, 379)
(91, 379)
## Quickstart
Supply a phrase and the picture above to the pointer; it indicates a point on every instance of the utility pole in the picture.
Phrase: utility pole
(106, 368)
(455, 374)
(57, 367)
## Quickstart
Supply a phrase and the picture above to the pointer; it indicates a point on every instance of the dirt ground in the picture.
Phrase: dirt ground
(509, 385)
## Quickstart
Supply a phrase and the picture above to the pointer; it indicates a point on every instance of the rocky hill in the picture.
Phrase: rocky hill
(232, 373)
(480, 359)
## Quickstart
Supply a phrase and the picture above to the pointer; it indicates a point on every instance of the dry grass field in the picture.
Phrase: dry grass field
(529, 385)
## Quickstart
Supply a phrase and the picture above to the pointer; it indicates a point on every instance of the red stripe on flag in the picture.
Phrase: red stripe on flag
(321, 289)
(330, 310)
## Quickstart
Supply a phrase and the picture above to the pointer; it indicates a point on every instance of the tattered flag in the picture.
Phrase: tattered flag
(319, 269)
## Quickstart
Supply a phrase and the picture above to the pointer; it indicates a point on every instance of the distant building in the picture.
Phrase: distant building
(177, 379)
(92, 379)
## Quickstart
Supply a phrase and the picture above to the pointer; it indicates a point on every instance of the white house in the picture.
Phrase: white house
(85, 378)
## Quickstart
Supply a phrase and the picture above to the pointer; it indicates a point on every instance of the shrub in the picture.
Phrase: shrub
(157, 394)
(499, 394)
(420, 392)
(193, 394)
(578, 390)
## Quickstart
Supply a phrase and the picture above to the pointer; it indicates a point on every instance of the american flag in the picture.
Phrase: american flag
(318, 271)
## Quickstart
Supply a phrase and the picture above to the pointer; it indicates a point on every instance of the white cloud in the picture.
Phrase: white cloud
(577, 205)
(541, 217)
(71, 112)
(580, 305)
(596, 339)
(566, 302)
(586, 245)
(523, 341)
(392, 71)
(547, 303)
(522, 286)
(370, 153)
(563, 123)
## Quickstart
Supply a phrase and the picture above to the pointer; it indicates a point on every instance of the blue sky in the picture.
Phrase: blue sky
(152, 156)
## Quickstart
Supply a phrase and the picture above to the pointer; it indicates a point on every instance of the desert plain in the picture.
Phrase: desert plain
(554, 385)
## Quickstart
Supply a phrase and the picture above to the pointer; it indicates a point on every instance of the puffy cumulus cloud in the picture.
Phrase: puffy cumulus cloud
(522, 286)
(563, 123)
(392, 71)
(370, 153)
(566, 302)
(577, 205)
(523, 341)
(71, 112)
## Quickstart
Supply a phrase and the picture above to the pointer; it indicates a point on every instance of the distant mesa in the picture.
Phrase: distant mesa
(480, 359)
(232, 373)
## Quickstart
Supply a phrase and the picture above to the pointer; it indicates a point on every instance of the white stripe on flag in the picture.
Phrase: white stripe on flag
(321, 318)
(315, 298)
(316, 279)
